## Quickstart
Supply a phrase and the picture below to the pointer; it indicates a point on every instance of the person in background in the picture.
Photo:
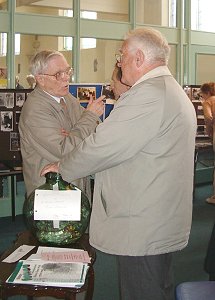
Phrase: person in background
(117, 86)
(18, 85)
(48, 128)
(31, 81)
(143, 158)
(207, 92)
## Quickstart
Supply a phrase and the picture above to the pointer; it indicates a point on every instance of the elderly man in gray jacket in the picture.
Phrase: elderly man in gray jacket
(143, 158)
(52, 122)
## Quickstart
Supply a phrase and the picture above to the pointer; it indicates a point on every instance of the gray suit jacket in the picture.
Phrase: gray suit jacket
(42, 142)
(143, 157)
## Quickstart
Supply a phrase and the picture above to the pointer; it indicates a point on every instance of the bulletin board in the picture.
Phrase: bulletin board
(83, 91)
(11, 102)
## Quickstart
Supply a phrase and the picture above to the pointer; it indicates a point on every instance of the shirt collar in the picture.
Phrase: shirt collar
(54, 97)
(161, 70)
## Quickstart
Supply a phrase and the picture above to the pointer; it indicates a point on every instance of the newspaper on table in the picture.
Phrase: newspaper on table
(62, 267)
(49, 273)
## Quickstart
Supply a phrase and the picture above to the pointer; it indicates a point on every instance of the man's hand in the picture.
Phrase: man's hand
(64, 132)
(54, 167)
(96, 106)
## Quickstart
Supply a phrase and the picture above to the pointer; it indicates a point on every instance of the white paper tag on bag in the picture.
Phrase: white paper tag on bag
(57, 205)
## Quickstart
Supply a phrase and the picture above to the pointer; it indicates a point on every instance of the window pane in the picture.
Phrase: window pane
(117, 10)
(3, 44)
(3, 63)
(202, 15)
(96, 64)
(47, 7)
(172, 13)
(156, 12)
(67, 43)
(3, 4)
(88, 15)
(17, 44)
(88, 43)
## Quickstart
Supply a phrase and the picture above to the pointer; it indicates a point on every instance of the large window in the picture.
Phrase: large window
(202, 15)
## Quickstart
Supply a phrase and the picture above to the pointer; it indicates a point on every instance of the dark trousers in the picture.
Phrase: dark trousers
(146, 277)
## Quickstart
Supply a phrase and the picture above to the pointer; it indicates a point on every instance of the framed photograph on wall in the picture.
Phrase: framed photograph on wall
(14, 141)
(195, 93)
(6, 121)
(81, 91)
(17, 117)
(9, 100)
(107, 91)
(84, 93)
(187, 90)
(2, 97)
(20, 99)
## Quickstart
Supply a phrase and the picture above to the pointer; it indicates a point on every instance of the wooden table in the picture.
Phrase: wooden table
(8, 289)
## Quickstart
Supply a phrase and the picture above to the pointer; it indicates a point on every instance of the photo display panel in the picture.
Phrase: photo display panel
(83, 92)
(11, 103)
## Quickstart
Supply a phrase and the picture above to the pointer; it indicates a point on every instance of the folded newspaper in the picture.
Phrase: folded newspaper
(51, 266)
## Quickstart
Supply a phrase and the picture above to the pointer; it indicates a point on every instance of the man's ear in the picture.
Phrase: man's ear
(139, 58)
(40, 80)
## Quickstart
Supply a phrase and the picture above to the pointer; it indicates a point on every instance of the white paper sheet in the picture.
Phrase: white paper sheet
(18, 253)
(57, 205)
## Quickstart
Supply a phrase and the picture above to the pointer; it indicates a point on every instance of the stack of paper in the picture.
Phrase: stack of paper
(50, 266)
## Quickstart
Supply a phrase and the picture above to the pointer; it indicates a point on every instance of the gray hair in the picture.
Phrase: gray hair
(152, 43)
(40, 61)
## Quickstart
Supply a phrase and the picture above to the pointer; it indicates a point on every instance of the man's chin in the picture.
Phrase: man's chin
(65, 90)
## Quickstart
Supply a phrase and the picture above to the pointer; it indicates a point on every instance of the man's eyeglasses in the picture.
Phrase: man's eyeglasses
(119, 57)
(61, 75)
